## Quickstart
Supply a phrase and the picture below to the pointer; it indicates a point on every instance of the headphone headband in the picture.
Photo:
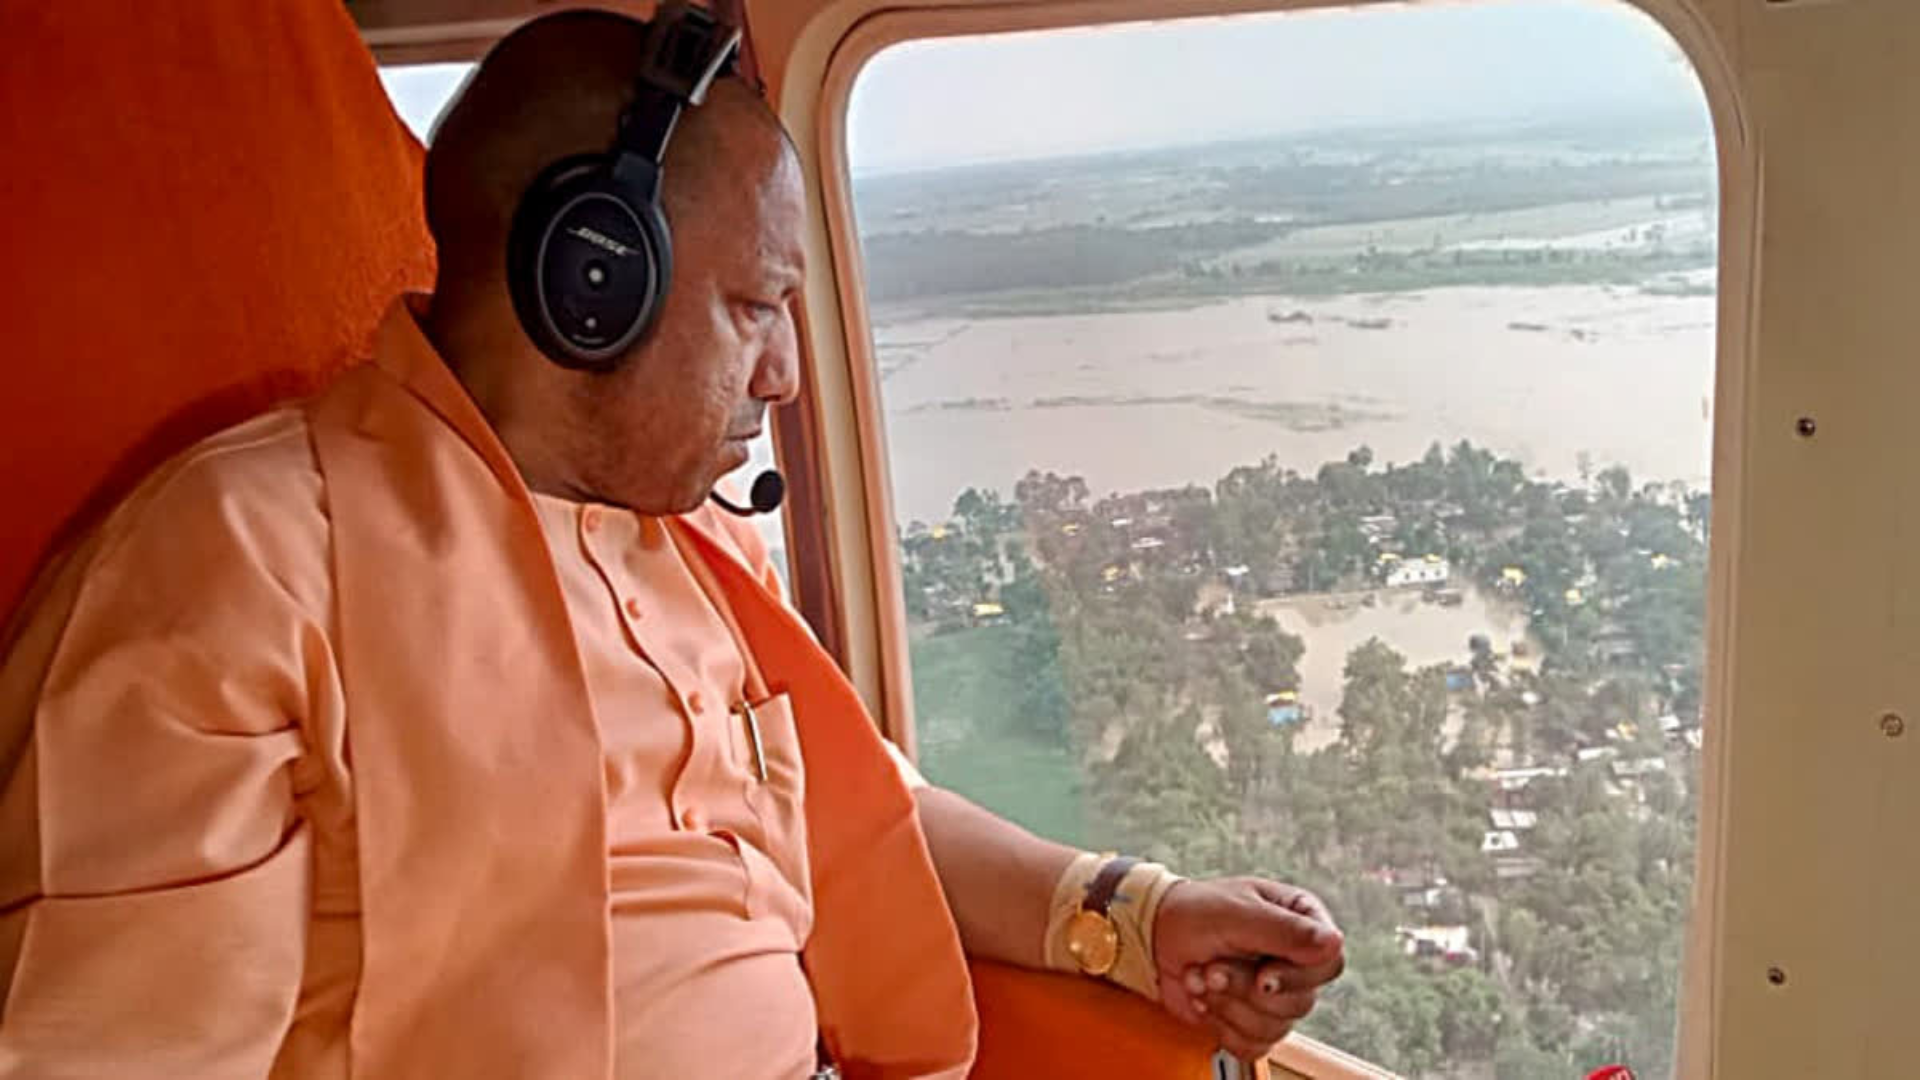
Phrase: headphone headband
(685, 50)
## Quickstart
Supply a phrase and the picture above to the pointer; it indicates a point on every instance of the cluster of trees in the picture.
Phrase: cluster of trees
(913, 265)
(1391, 271)
(1162, 692)
(1075, 266)
(1138, 226)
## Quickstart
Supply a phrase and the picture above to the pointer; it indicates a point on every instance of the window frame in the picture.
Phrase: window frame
(875, 630)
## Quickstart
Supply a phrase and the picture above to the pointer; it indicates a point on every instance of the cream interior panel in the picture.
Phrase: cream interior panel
(1820, 866)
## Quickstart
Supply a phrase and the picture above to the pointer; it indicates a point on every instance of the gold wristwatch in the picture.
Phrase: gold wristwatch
(1092, 939)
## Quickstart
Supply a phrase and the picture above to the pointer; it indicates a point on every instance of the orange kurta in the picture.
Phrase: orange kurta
(329, 823)
(708, 871)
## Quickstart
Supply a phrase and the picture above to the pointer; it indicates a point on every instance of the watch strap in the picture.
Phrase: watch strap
(1101, 890)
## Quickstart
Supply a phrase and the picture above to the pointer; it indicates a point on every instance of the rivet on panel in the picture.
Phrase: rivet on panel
(1893, 726)
(1777, 976)
(1805, 427)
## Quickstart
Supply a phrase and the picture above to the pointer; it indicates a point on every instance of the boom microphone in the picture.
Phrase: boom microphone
(769, 488)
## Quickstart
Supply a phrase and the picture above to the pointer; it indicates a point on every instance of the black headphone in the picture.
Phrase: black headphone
(590, 258)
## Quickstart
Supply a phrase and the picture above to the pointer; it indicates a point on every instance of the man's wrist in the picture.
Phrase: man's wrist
(1131, 913)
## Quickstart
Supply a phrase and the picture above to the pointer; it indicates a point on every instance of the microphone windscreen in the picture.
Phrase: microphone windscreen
(769, 490)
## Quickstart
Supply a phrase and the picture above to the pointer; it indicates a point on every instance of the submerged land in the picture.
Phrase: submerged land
(1335, 508)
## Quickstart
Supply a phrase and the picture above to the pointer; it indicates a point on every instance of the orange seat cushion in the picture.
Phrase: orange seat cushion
(1064, 1027)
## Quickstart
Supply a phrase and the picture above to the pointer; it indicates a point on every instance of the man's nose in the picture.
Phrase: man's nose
(776, 377)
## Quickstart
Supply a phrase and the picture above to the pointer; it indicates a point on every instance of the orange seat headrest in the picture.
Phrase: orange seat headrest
(204, 207)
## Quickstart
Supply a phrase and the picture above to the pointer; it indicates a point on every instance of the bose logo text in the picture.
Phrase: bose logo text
(600, 240)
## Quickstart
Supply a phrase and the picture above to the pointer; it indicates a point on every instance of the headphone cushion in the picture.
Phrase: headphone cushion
(588, 263)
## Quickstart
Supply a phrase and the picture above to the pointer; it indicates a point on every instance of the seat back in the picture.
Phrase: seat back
(205, 207)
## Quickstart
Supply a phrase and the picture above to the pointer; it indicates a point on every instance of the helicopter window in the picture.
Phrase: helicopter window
(1299, 429)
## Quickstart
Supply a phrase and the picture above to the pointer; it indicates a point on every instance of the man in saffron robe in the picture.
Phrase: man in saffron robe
(438, 726)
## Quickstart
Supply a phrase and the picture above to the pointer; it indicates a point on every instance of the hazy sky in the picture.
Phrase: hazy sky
(1154, 84)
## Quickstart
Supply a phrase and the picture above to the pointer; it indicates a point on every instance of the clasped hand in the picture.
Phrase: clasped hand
(1244, 956)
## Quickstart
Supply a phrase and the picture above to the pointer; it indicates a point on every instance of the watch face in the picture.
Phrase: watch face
(1093, 941)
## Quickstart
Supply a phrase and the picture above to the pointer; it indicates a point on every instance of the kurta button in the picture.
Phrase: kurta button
(590, 519)
(696, 702)
(633, 606)
(692, 820)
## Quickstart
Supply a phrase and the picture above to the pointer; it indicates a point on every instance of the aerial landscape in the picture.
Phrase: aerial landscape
(1333, 507)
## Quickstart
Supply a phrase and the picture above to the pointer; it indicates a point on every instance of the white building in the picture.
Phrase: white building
(1506, 820)
(1450, 942)
(1639, 767)
(1518, 779)
(1413, 572)
(1496, 841)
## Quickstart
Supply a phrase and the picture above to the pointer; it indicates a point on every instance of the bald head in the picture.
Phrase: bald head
(680, 407)
(554, 88)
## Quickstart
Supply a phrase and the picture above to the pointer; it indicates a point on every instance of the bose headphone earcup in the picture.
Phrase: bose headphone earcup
(589, 261)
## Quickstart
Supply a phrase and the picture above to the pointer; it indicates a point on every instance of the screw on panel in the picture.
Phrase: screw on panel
(1892, 726)
(1805, 427)
(1777, 976)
